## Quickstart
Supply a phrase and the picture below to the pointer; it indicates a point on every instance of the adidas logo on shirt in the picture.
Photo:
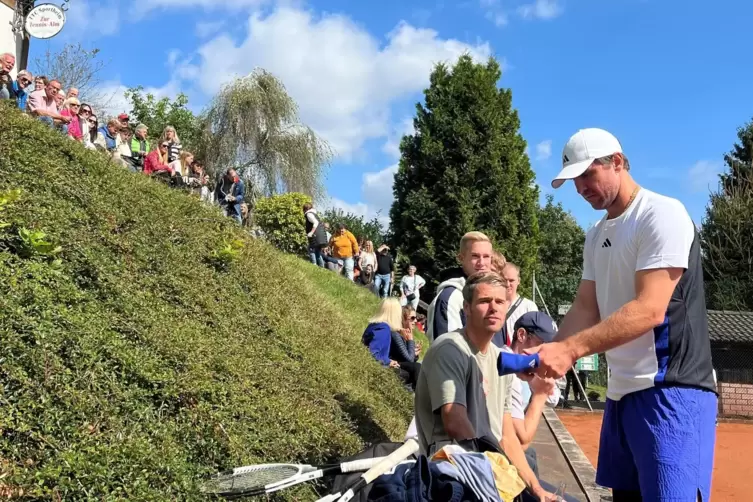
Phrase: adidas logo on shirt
(606, 244)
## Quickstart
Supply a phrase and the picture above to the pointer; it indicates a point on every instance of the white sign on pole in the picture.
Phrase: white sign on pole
(563, 309)
(45, 21)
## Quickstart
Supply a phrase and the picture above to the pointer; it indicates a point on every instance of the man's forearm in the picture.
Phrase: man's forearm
(532, 418)
(455, 421)
(626, 324)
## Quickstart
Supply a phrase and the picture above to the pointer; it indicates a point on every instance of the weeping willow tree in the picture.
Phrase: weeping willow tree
(253, 126)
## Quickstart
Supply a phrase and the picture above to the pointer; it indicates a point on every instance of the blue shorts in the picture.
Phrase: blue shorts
(659, 441)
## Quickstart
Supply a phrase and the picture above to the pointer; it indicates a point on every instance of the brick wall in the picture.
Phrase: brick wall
(736, 399)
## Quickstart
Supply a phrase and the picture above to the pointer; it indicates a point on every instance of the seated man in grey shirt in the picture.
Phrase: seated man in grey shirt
(459, 394)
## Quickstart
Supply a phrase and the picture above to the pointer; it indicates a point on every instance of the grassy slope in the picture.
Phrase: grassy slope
(139, 367)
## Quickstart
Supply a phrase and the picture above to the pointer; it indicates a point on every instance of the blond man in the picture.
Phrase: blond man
(446, 310)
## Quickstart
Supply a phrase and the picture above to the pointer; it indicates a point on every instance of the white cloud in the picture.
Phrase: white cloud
(703, 176)
(494, 12)
(392, 146)
(205, 29)
(544, 150)
(96, 18)
(343, 80)
(541, 9)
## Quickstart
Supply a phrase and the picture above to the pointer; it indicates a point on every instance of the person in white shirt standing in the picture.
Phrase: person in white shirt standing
(518, 304)
(641, 300)
(409, 288)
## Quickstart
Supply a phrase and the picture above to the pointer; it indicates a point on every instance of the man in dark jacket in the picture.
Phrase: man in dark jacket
(230, 192)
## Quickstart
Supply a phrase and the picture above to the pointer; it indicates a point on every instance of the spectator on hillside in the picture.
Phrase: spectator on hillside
(40, 83)
(124, 154)
(378, 334)
(22, 88)
(410, 286)
(518, 304)
(72, 93)
(198, 182)
(60, 100)
(229, 194)
(108, 136)
(344, 247)
(331, 263)
(170, 136)
(84, 114)
(124, 119)
(43, 105)
(317, 237)
(326, 229)
(93, 131)
(71, 109)
(404, 350)
(367, 256)
(7, 63)
(155, 163)
(366, 278)
(385, 271)
(446, 310)
(139, 147)
(182, 165)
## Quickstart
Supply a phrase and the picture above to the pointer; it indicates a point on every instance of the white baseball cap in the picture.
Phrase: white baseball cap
(582, 149)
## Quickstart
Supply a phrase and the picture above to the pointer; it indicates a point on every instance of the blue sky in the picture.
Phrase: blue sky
(669, 78)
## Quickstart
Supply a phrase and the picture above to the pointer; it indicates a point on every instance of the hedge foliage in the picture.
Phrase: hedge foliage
(282, 220)
(135, 365)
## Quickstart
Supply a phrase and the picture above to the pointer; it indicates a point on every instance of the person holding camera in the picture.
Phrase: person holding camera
(409, 287)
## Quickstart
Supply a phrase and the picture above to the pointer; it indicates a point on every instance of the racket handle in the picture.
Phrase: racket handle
(406, 450)
(360, 465)
(509, 363)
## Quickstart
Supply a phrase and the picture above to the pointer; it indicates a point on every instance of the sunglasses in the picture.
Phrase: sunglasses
(92, 121)
(75, 106)
(25, 81)
(412, 318)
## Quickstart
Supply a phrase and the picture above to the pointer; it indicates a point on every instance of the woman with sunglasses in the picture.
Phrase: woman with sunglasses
(405, 350)
(91, 136)
(84, 116)
(71, 108)
(156, 164)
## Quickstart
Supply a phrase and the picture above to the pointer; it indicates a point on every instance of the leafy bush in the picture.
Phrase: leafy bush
(281, 218)
(136, 367)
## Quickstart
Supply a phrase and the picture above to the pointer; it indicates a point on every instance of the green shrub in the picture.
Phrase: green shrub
(281, 218)
(137, 366)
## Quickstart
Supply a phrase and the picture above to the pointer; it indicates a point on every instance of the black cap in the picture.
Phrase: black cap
(539, 324)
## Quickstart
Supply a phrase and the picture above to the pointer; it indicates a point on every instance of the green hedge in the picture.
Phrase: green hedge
(155, 349)
(283, 222)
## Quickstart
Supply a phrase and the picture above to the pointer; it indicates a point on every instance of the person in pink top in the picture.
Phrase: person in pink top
(71, 107)
(42, 105)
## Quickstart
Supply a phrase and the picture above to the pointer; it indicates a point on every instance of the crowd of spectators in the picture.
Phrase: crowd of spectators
(125, 142)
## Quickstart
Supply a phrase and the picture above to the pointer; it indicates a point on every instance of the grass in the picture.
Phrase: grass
(149, 355)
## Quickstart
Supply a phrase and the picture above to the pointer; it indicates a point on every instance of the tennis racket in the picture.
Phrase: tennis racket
(516, 363)
(260, 479)
(407, 449)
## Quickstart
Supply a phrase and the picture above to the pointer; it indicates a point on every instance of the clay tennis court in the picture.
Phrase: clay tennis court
(733, 464)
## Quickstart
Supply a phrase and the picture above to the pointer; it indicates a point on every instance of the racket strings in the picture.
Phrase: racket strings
(252, 479)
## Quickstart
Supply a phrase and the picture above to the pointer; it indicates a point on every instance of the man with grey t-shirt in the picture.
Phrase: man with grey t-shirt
(459, 394)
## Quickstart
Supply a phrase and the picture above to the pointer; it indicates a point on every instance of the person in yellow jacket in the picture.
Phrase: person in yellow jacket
(344, 247)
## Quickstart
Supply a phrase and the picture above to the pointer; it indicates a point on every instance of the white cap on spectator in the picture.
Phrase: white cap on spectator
(582, 149)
